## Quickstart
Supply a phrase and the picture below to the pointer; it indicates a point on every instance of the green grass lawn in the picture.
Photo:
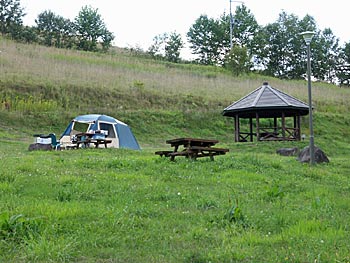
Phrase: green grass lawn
(115, 205)
(110, 205)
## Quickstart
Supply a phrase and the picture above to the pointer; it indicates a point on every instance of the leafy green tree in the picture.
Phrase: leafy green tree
(281, 47)
(167, 46)
(47, 27)
(325, 53)
(245, 27)
(283, 52)
(107, 39)
(91, 30)
(245, 32)
(11, 14)
(281, 41)
(157, 49)
(299, 69)
(343, 67)
(29, 35)
(55, 30)
(238, 60)
(210, 38)
(173, 46)
(346, 53)
(206, 37)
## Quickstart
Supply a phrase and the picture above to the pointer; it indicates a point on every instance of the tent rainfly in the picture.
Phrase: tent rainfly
(267, 103)
(115, 130)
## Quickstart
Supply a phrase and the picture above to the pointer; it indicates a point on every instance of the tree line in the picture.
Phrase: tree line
(87, 32)
(275, 49)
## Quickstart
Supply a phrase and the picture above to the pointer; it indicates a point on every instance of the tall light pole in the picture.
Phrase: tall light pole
(308, 37)
(231, 21)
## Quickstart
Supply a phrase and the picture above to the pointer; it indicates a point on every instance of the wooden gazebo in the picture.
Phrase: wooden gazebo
(268, 114)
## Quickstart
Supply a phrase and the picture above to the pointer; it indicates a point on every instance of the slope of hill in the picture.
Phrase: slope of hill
(46, 87)
(115, 205)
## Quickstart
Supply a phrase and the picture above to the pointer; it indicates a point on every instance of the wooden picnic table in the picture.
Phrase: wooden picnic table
(193, 148)
(86, 138)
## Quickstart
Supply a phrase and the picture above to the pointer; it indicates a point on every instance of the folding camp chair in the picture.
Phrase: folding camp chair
(48, 139)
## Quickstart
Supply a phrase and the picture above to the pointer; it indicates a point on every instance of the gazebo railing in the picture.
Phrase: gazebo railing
(277, 134)
(245, 136)
(272, 134)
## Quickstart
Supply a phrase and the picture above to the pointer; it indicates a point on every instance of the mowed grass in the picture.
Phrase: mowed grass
(114, 205)
(98, 205)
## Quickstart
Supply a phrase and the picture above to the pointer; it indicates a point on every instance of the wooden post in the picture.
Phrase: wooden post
(236, 128)
(298, 126)
(275, 128)
(251, 129)
(257, 127)
(295, 131)
(283, 126)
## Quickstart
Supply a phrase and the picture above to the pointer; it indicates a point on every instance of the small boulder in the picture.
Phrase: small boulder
(288, 151)
(320, 156)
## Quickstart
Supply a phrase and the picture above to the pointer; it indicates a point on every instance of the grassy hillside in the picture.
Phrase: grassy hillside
(47, 87)
(112, 205)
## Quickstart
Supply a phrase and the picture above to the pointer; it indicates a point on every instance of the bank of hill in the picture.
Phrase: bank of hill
(42, 88)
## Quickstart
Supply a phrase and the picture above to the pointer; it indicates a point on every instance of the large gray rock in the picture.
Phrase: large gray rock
(320, 156)
(40, 146)
(288, 151)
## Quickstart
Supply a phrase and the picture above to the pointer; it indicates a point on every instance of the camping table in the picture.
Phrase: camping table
(193, 148)
(85, 138)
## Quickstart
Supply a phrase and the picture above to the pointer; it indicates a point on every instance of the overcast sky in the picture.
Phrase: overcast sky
(136, 23)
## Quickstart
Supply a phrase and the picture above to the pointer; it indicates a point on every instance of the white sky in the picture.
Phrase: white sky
(136, 23)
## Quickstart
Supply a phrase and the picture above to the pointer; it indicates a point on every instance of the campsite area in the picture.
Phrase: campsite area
(121, 205)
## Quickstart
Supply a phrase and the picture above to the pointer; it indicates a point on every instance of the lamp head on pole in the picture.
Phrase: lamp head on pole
(307, 35)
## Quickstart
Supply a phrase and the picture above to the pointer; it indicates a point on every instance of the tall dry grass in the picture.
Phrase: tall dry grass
(21, 63)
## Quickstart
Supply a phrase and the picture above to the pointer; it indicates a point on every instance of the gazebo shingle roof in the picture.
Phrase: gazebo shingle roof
(268, 102)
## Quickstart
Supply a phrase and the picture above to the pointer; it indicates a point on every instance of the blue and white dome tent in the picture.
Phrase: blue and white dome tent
(115, 130)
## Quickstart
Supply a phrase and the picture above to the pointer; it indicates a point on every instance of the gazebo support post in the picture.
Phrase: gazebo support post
(283, 126)
(298, 128)
(295, 132)
(257, 127)
(237, 132)
(251, 129)
(275, 128)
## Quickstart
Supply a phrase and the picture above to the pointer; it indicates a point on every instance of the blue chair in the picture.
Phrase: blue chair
(54, 143)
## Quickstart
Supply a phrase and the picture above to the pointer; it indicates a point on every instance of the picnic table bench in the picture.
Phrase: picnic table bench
(163, 153)
(193, 148)
(88, 138)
